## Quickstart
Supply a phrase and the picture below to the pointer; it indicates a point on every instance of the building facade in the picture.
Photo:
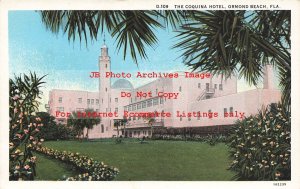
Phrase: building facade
(174, 102)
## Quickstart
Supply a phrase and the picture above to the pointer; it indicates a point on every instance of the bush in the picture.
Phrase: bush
(210, 139)
(260, 145)
(23, 125)
(92, 170)
(53, 131)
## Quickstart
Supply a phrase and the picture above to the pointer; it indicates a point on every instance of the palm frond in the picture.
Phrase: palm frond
(236, 41)
(135, 31)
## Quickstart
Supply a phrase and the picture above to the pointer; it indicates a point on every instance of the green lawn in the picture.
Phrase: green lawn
(51, 169)
(157, 160)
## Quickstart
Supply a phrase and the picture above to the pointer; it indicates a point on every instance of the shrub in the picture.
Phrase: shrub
(23, 125)
(91, 169)
(53, 131)
(210, 139)
(260, 145)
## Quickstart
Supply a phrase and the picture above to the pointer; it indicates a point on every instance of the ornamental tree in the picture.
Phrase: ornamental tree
(24, 92)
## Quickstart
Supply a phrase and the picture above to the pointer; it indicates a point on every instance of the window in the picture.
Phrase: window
(79, 109)
(216, 86)
(125, 108)
(138, 106)
(180, 88)
(106, 128)
(231, 109)
(116, 110)
(189, 118)
(180, 118)
(199, 85)
(106, 109)
(143, 104)
(61, 109)
(116, 99)
(155, 101)
(92, 101)
(149, 103)
(97, 101)
(220, 87)
(80, 100)
(129, 108)
(225, 111)
(88, 101)
(105, 89)
(105, 65)
(60, 99)
(207, 86)
(133, 107)
(134, 118)
(161, 100)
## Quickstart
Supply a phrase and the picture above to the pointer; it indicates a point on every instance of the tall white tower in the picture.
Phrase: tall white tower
(104, 88)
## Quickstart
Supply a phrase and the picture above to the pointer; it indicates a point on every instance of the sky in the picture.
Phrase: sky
(68, 64)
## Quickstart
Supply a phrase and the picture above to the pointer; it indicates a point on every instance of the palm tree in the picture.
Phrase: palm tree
(76, 123)
(241, 42)
(79, 123)
(90, 122)
(222, 42)
(124, 122)
(117, 123)
(150, 121)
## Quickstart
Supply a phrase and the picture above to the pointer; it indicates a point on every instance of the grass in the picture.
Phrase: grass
(156, 160)
(51, 169)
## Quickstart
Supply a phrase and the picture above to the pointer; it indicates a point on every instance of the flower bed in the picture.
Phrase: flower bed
(92, 170)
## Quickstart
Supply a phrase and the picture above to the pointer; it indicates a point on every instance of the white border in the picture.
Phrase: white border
(7, 5)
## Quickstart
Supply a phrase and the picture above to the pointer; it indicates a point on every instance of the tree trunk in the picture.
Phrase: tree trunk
(87, 134)
(151, 131)
(124, 130)
(117, 130)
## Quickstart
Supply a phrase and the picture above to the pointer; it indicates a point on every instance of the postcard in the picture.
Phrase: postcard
(153, 94)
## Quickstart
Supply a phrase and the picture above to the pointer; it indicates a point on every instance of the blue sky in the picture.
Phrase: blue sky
(68, 64)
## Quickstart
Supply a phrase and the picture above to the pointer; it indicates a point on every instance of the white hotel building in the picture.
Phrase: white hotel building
(206, 95)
